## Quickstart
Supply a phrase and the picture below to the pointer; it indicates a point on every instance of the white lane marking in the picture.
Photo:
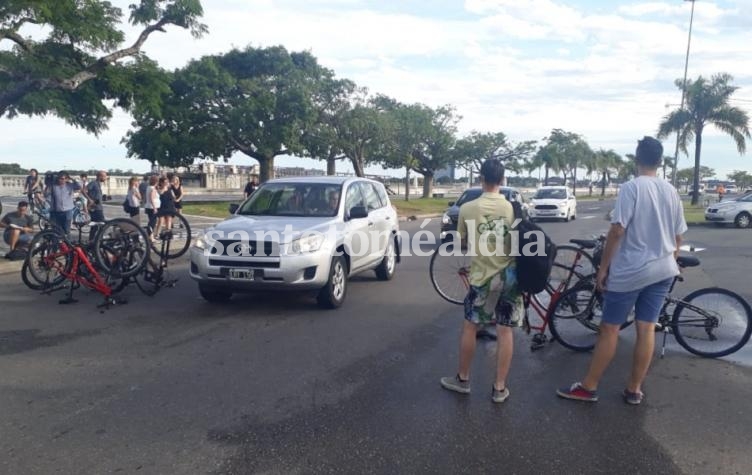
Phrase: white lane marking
(594, 209)
(691, 248)
(587, 217)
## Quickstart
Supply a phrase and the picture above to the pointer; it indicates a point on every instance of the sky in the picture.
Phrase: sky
(605, 70)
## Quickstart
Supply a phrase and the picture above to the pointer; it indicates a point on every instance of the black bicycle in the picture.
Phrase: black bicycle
(710, 322)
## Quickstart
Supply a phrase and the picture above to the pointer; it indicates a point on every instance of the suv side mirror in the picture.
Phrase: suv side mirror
(357, 212)
(451, 203)
(234, 208)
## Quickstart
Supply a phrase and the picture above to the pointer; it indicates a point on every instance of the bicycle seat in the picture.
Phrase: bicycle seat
(584, 243)
(687, 261)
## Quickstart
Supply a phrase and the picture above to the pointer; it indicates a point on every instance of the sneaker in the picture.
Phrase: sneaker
(499, 396)
(454, 383)
(577, 393)
(632, 398)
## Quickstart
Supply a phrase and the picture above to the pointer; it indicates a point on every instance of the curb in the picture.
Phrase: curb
(10, 267)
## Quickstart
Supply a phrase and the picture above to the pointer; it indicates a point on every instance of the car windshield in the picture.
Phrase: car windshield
(293, 199)
(550, 194)
(469, 195)
(474, 194)
(746, 198)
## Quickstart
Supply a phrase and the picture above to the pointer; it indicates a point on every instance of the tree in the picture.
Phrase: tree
(321, 139)
(707, 103)
(361, 133)
(422, 138)
(80, 63)
(565, 152)
(741, 178)
(258, 102)
(471, 151)
(606, 162)
(12, 169)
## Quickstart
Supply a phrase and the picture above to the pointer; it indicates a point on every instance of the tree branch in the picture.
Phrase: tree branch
(74, 82)
(16, 38)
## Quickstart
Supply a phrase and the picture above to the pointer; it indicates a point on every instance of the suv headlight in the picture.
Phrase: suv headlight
(446, 219)
(309, 243)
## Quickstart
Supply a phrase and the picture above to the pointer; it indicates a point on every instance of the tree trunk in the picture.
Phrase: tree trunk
(696, 180)
(266, 169)
(331, 165)
(545, 183)
(603, 184)
(427, 185)
(574, 182)
(407, 183)
(357, 163)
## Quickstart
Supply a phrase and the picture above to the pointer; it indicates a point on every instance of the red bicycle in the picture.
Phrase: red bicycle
(449, 272)
(120, 250)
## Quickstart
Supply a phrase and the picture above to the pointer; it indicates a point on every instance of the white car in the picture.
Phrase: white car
(553, 202)
(737, 211)
(309, 233)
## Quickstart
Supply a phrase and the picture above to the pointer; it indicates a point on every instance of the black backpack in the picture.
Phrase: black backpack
(532, 271)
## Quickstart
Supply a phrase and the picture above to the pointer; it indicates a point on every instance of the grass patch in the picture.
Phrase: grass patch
(694, 214)
(212, 209)
(417, 206)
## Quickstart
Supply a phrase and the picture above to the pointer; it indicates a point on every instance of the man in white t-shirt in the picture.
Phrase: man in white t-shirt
(636, 271)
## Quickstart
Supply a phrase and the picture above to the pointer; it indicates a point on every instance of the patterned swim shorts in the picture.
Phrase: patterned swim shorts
(496, 302)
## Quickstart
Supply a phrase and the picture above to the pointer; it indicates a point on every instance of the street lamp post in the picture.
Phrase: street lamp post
(684, 91)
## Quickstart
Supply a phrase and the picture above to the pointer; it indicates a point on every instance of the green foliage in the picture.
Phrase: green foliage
(741, 178)
(707, 103)
(471, 151)
(76, 68)
(565, 152)
(256, 101)
(12, 169)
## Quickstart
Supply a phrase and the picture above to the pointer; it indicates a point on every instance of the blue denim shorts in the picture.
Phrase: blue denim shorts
(646, 301)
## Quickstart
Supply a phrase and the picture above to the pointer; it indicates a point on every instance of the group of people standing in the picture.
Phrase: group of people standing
(161, 198)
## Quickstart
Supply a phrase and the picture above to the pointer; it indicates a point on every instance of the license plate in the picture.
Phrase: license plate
(241, 274)
(547, 212)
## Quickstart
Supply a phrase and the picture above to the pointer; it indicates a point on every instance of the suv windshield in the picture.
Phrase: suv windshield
(294, 199)
(550, 194)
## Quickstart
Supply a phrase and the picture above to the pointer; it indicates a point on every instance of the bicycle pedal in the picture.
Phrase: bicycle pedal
(536, 346)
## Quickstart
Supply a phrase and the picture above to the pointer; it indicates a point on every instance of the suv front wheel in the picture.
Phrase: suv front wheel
(332, 295)
(385, 270)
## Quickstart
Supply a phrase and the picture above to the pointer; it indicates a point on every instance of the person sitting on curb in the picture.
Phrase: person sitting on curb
(18, 227)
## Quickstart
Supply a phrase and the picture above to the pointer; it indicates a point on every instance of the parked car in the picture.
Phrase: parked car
(731, 189)
(451, 215)
(300, 234)
(553, 202)
(737, 211)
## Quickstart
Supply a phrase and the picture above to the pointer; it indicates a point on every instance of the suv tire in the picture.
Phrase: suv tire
(385, 270)
(213, 294)
(332, 295)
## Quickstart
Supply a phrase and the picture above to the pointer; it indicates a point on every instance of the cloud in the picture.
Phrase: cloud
(519, 66)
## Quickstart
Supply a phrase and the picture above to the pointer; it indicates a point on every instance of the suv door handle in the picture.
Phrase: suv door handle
(370, 223)
(388, 218)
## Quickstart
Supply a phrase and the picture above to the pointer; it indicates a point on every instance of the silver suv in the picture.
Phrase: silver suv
(300, 234)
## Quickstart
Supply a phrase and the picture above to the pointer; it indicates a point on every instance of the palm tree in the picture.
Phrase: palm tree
(707, 103)
(606, 162)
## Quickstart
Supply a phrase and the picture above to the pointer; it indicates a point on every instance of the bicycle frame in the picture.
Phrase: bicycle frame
(74, 274)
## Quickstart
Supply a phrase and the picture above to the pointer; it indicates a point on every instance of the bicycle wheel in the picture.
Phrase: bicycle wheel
(575, 317)
(571, 265)
(712, 322)
(180, 239)
(29, 279)
(449, 273)
(121, 247)
(150, 277)
(48, 260)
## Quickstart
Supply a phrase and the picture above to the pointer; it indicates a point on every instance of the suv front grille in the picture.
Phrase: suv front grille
(236, 248)
(546, 207)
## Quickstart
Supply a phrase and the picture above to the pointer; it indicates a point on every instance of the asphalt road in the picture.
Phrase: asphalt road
(270, 384)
